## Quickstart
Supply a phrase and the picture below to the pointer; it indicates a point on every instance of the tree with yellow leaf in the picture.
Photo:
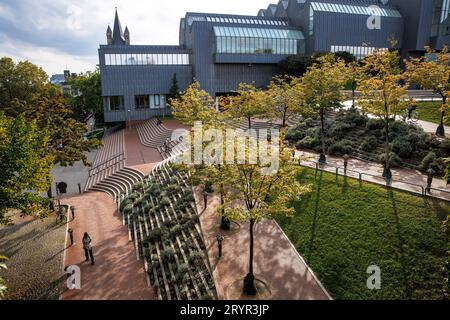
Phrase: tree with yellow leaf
(194, 105)
(383, 93)
(284, 101)
(432, 72)
(248, 104)
(256, 196)
(321, 89)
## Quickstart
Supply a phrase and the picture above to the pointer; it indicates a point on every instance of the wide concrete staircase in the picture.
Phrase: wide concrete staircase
(109, 173)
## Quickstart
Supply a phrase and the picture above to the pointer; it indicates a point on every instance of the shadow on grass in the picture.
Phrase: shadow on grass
(316, 211)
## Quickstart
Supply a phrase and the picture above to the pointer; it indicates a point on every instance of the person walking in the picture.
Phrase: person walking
(87, 245)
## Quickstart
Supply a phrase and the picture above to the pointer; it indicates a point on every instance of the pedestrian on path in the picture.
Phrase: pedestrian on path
(346, 158)
(70, 231)
(87, 245)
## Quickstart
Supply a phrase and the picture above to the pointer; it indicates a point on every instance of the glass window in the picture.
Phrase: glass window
(157, 100)
(115, 103)
(142, 102)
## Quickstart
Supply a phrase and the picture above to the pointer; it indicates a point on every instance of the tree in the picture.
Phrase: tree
(346, 56)
(354, 75)
(294, 66)
(256, 197)
(433, 74)
(284, 100)
(89, 101)
(25, 90)
(249, 103)
(194, 105)
(25, 166)
(174, 92)
(321, 88)
(383, 93)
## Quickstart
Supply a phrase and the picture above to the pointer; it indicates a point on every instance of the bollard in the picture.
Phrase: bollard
(79, 188)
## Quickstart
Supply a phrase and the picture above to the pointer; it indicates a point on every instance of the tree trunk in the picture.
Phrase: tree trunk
(441, 129)
(249, 122)
(284, 118)
(249, 281)
(226, 223)
(322, 121)
(353, 95)
(387, 174)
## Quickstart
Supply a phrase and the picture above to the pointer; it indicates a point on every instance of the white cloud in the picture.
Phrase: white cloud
(56, 34)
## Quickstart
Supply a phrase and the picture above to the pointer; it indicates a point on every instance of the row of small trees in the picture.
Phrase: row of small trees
(249, 196)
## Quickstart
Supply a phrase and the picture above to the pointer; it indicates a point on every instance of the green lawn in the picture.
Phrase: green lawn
(342, 228)
(430, 111)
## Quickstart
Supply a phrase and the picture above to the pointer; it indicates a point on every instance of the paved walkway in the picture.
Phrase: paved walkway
(276, 261)
(402, 177)
(116, 275)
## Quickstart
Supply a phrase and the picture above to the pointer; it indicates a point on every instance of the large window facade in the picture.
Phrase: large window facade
(237, 40)
(440, 23)
(142, 102)
(358, 51)
(133, 59)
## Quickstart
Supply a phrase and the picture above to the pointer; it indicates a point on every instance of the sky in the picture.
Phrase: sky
(65, 34)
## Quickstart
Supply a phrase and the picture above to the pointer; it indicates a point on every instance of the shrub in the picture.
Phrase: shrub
(445, 147)
(128, 209)
(341, 147)
(168, 255)
(170, 223)
(428, 160)
(374, 124)
(165, 201)
(307, 142)
(395, 161)
(295, 134)
(138, 186)
(369, 143)
(402, 147)
(182, 272)
(206, 297)
(176, 230)
(339, 129)
(125, 203)
(196, 258)
(157, 234)
(310, 122)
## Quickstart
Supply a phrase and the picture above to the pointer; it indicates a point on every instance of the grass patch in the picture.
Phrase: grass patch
(342, 228)
(430, 111)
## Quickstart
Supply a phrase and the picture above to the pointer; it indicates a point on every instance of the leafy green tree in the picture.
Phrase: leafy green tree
(284, 101)
(89, 101)
(249, 103)
(295, 66)
(382, 94)
(256, 197)
(174, 92)
(194, 105)
(321, 87)
(433, 74)
(25, 90)
(25, 166)
(346, 56)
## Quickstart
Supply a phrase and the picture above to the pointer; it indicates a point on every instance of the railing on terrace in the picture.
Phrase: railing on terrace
(396, 184)
(106, 164)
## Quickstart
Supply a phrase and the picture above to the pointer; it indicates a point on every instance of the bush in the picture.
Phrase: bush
(124, 204)
(157, 234)
(310, 122)
(128, 209)
(339, 129)
(341, 147)
(374, 124)
(307, 142)
(395, 161)
(176, 230)
(445, 147)
(352, 117)
(369, 143)
(295, 134)
(182, 272)
(168, 255)
(196, 259)
(402, 147)
(138, 186)
(165, 201)
(428, 160)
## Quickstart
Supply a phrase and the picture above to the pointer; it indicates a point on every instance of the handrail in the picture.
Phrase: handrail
(105, 162)
(425, 191)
